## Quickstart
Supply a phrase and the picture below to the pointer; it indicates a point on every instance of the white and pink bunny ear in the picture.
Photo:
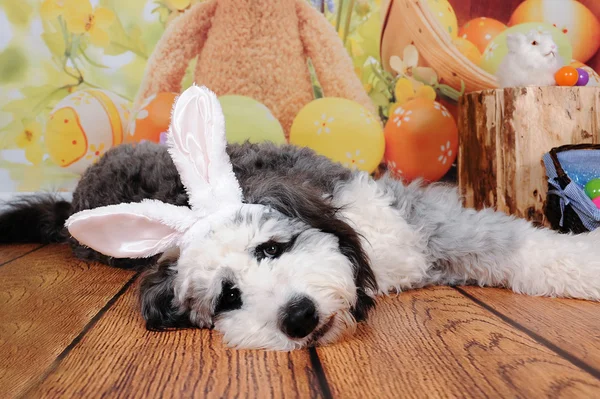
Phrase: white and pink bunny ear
(135, 230)
(197, 144)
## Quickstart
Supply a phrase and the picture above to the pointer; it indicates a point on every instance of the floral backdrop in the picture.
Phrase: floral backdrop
(64, 62)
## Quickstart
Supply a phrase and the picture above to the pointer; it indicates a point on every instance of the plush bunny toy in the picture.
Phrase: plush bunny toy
(532, 60)
(197, 144)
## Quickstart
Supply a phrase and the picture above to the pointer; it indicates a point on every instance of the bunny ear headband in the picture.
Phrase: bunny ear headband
(197, 144)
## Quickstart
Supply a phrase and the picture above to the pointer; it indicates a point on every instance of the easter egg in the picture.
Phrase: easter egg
(83, 126)
(248, 119)
(342, 130)
(151, 119)
(480, 31)
(444, 14)
(571, 17)
(592, 188)
(566, 76)
(596, 202)
(584, 77)
(468, 49)
(594, 78)
(421, 140)
(497, 49)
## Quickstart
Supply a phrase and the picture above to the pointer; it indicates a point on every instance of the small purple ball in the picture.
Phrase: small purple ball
(584, 77)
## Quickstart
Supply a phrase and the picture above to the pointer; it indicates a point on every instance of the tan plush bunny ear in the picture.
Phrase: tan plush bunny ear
(197, 144)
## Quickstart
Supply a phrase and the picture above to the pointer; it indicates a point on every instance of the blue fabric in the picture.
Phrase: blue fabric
(580, 165)
(582, 168)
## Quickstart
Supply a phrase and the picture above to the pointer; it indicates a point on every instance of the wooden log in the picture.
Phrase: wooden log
(505, 132)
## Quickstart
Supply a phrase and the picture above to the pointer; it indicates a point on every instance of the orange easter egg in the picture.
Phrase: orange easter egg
(152, 118)
(421, 140)
(480, 31)
(573, 18)
(566, 76)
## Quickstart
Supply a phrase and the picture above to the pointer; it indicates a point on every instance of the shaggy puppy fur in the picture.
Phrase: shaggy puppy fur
(306, 269)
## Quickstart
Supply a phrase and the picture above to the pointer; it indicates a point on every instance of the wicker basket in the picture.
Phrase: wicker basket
(571, 222)
(412, 22)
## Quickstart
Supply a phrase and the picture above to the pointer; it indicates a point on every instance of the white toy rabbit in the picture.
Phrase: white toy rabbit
(532, 60)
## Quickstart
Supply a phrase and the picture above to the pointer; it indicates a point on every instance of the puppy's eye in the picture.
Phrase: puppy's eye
(270, 250)
(230, 298)
(535, 43)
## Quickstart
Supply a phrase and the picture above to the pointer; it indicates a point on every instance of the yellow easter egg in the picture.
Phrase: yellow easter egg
(468, 49)
(497, 48)
(342, 130)
(83, 126)
(571, 17)
(444, 13)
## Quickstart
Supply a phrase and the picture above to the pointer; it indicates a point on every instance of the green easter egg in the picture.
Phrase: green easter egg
(497, 48)
(592, 188)
(248, 119)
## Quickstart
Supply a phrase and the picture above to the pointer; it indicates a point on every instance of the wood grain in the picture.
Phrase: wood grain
(118, 357)
(437, 343)
(46, 299)
(10, 252)
(504, 135)
(572, 325)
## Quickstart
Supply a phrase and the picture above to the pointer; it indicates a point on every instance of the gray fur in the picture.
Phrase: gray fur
(130, 173)
(395, 236)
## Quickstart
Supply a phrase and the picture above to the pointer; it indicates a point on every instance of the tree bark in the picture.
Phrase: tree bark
(505, 132)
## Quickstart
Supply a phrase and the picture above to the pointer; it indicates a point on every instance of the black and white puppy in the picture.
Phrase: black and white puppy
(303, 256)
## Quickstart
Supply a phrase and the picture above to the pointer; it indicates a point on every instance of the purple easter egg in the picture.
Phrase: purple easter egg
(584, 77)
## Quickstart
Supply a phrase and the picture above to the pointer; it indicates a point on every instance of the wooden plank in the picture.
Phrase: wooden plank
(46, 299)
(118, 357)
(10, 252)
(437, 343)
(572, 325)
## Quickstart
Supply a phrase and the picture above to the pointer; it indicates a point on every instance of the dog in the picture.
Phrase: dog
(279, 248)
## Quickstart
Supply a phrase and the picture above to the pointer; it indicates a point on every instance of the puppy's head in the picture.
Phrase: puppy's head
(272, 267)
(282, 276)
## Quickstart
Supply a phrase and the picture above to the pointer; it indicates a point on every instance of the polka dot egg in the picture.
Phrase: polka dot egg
(151, 121)
(421, 140)
(83, 126)
(342, 130)
(444, 13)
(481, 31)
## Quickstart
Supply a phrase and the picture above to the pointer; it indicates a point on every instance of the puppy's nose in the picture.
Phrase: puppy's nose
(300, 317)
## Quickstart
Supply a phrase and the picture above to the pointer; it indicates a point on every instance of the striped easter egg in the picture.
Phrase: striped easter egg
(83, 126)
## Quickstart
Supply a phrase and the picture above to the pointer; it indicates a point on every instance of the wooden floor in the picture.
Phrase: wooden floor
(69, 329)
